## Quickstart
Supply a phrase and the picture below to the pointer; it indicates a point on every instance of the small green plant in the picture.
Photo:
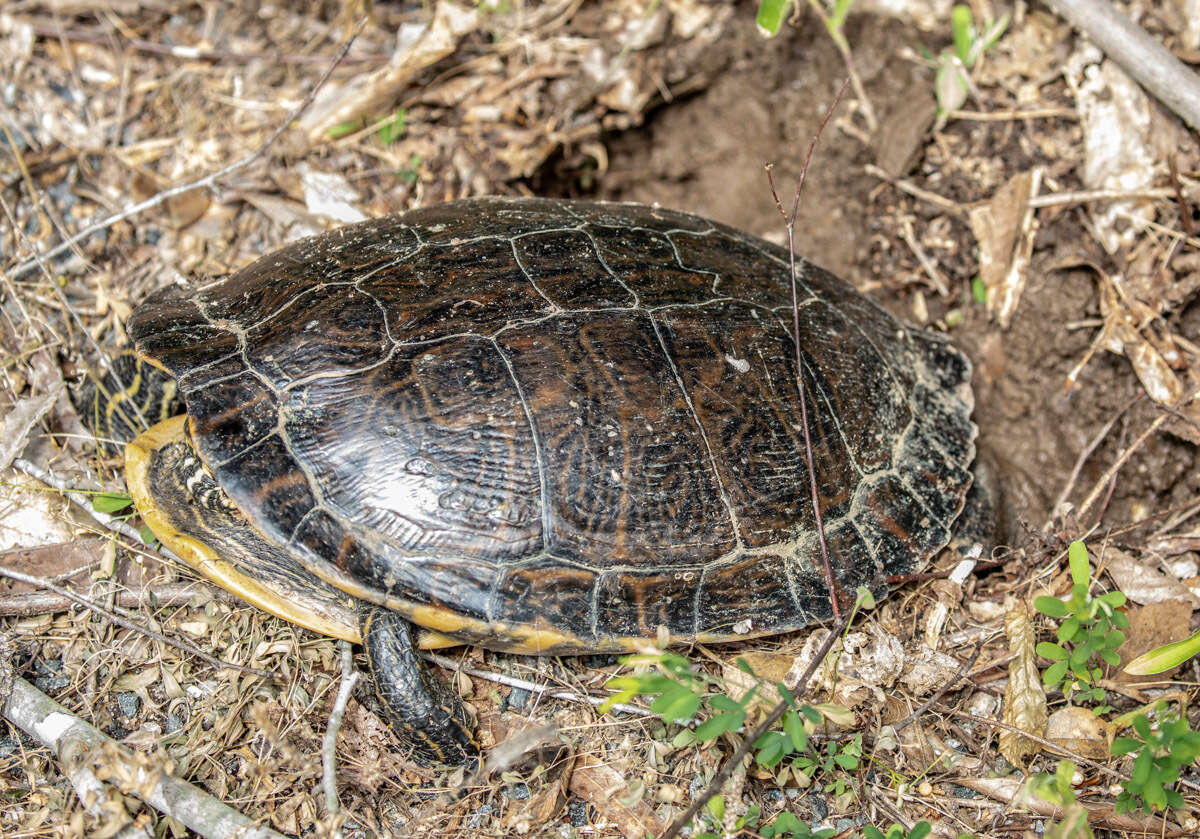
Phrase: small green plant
(784, 826)
(1057, 789)
(393, 128)
(120, 505)
(918, 831)
(1162, 751)
(1090, 629)
(953, 80)
(771, 15)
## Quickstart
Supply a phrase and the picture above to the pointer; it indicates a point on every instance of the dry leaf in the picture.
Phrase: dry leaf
(1079, 730)
(1141, 583)
(1004, 229)
(602, 785)
(1024, 701)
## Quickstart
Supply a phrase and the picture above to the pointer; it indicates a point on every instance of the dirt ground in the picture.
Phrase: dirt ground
(679, 103)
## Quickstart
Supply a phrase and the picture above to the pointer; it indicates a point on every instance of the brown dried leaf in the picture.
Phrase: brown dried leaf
(1142, 583)
(1024, 701)
(368, 95)
(1079, 730)
(602, 786)
(1004, 227)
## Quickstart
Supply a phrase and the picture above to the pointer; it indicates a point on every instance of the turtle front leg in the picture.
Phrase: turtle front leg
(421, 709)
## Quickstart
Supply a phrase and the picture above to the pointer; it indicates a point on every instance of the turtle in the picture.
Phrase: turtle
(542, 426)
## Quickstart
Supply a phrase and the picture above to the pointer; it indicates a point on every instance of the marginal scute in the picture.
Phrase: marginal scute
(568, 423)
(637, 604)
(749, 589)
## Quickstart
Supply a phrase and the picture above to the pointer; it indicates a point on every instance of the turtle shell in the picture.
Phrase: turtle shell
(559, 426)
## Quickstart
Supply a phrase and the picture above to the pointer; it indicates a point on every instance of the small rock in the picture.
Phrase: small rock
(129, 703)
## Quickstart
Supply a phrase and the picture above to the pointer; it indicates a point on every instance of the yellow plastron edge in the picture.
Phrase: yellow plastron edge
(204, 559)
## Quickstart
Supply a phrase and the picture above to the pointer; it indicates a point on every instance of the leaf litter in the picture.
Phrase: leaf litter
(1089, 302)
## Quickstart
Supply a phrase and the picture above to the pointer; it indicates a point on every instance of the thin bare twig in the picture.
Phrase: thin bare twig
(109, 615)
(534, 687)
(199, 183)
(835, 590)
(350, 677)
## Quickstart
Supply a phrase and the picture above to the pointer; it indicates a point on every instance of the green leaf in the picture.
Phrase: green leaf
(979, 290)
(793, 726)
(714, 727)
(148, 537)
(684, 738)
(846, 761)
(721, 702)
(920, 830)
(1051, 607)
(863, 598)
(1161, 659)
(962, 26)
(871, 832)
(716, 806)
(344, 129)
(771, 15)
(1052, 651)
(111, 502)
(1077, 558)
(394, 128)
(676, 705)
(1124, 745)
(772, 748)
(1054, 673)
(1115, 599)
(1069, 627)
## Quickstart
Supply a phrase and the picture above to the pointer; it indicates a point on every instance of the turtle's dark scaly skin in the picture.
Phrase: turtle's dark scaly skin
(552, 426)
(423, 710)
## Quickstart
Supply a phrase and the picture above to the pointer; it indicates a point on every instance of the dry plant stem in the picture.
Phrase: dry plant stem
(77, 745)
(350, 676)
(82, 501)
(533, 687)
(179, 644)
(835, 589)
(1145, 59)
(199, 183)
(743, 749)
(192, 54)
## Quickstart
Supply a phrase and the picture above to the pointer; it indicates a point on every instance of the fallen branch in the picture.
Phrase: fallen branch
(82, 749)
(1146, 60)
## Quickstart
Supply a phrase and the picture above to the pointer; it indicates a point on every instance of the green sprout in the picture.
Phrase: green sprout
(952, 83)
(1091, 628)
(1162, 751)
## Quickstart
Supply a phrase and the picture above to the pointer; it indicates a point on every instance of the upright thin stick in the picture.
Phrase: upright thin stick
(835, 590)
(726, 770)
